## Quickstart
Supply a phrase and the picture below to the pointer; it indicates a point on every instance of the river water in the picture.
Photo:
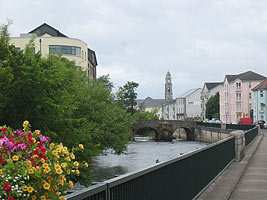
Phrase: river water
(140, 155)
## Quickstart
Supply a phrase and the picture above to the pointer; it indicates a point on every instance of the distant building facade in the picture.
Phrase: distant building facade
(236, 97)
(208, 90)
(187, 105)
(48, 40)
(155, 105)
(260, 101)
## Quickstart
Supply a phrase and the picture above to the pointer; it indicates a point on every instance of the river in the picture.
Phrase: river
(140, 155)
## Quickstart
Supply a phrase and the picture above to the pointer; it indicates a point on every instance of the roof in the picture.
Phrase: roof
(45, 28)
(246, 76)
(168, 74)
(188, 93)
(149, 102)
(212, 85)
(261, 86)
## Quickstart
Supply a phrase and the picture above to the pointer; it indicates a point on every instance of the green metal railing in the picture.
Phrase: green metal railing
(214, 125)
(239, 127)
(250, 135)
(228, 126)
(180, 178)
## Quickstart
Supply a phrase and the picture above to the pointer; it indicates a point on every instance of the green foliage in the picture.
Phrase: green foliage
(55, 96)
(143, 115)
(213, 107)
(127, 95)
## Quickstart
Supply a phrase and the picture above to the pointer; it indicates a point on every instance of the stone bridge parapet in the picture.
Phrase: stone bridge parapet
(165, 128)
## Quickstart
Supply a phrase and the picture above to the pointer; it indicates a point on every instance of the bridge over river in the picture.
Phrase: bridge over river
(184, 177)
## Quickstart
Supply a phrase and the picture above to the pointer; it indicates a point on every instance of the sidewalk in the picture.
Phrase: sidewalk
(253, 184)
(225, 184)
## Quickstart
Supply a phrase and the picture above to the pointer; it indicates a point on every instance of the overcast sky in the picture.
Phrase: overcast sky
(139, 40)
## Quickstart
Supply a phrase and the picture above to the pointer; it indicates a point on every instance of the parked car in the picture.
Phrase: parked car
(215, 120)
(261, 123)
(265, 125)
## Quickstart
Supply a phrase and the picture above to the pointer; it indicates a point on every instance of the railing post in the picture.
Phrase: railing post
(239, 144)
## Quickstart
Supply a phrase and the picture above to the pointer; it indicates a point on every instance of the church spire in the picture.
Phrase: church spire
(168, 87)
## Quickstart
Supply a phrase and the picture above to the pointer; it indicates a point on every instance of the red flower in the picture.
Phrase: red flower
(10, 198)
(35, 152)
(6, 186)
(1, 160)
(4, 130)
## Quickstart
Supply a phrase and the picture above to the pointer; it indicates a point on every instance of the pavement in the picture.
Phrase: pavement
(243, 180)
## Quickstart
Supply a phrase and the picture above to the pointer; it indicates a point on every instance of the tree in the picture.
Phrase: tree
(213, 107)
(127, 96)
(55, 96)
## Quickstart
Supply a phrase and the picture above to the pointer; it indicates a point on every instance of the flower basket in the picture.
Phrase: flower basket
(33, 168)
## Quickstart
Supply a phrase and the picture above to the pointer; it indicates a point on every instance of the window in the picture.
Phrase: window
(238, 107)
(65, 50)
(249, 95)
(249, 84)
(238, 86)
(238, 96)
(261, 93)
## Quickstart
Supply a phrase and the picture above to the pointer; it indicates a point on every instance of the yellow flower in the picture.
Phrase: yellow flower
(42, 160)
(15, 158)
(43, 198)
(58, 193)
(68, 159)
(33, 197)
(77, 172)
(34, 156)
(68, 172)
(86, 164)
(37, 132)
(57, 166)
(58, 150)
(47, 170)
(62, 198)
(28, 164)
(52, 144)
(76, 163)
(64, 165)
(54, 152)
(81, 146)
(59, 171)
(25, 124)
(60, 181)
(45, 165)
(72, 156)
(49, 178)
(31, 170)
(56, 187)
(24, 188)
(30, 189)
(1, 172)
(34, 140)
(70, 184)
(46, 186)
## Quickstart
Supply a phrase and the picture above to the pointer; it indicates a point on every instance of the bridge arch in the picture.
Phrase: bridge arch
(165, 128)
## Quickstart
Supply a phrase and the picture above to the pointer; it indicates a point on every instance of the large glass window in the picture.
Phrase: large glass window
(64, 50)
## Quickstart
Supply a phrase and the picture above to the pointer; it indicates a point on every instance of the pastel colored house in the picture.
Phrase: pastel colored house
(49, 40)
(236, 96)
(208, 90)
(260, 101)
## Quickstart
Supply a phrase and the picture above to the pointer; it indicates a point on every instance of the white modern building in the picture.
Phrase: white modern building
(187, 105)
(48, 40)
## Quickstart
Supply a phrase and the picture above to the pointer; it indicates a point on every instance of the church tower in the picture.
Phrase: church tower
(168, 87)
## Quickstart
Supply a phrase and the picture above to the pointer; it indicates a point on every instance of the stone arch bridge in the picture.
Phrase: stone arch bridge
(165, 128)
